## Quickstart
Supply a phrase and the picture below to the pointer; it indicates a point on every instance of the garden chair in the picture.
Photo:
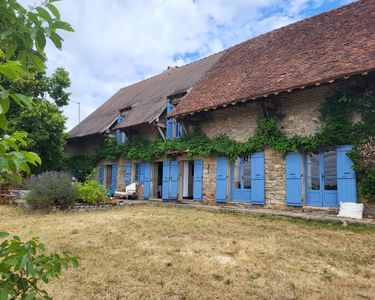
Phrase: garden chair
(130, 191)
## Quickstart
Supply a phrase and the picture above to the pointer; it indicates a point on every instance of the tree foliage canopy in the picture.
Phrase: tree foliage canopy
(23, 35)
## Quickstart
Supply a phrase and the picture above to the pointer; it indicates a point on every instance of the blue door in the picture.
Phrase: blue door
(113, 179)
(321, 179)
(166, 179)
(170, 180)
(346, 181)
(198, 177)
(145, 179)
(101, 174)
(293, 179)
(221, 179)
(247, 179)
(128, 170)
(257, 178)
(174, 180)
(241, 179)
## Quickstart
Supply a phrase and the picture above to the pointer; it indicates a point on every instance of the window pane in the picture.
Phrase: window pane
(247, 173)
(136, 172)
(237, 174)
(329, 163)
(330, 183)
(313, 164)
(313, 183)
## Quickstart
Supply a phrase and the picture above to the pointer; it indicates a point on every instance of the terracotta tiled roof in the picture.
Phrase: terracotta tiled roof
(319, 49)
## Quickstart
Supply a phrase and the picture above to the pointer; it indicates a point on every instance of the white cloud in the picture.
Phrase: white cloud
(119, 42)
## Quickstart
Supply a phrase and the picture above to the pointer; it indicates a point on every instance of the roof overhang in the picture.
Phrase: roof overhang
(271, 93)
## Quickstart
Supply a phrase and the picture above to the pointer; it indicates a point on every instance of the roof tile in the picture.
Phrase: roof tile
(326, 46)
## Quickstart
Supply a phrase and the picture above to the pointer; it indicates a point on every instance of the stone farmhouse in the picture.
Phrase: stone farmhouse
(290, 70)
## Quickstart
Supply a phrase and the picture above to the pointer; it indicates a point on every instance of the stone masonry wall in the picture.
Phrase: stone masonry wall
(121, 164)
(209, 180)
(301, 109)
(275, 178)
(238, 122)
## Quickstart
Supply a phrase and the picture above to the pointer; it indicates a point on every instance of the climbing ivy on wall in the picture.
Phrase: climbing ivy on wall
(338, 128)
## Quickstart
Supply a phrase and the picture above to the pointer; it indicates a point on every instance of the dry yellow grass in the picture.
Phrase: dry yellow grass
(164, 252)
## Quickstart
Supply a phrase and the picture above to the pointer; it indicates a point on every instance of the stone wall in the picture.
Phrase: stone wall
(302, 109)
(275, 178)
(238, 122)
(121, 164)
(209, 180)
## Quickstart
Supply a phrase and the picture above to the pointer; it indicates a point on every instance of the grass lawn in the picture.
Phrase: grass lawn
(165, 252)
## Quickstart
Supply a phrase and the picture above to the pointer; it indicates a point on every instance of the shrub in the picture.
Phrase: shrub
(92, 192)
(23, 268)
(367, 185)
(51, 189)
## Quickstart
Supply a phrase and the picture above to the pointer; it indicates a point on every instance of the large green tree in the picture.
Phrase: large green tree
(23, 35)
(44, 121)
(45, 126)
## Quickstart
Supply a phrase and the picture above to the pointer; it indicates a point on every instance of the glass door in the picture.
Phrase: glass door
(321, 179)
(329, 178)
(241, 179)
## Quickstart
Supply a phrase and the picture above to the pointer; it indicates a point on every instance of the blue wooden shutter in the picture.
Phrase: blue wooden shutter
(118, 131)
(198, 176)
(146, 179)
(346, 181)
(101, 174)
(113, 179)
(257, 178)
(128, 170)
(166, 179)
(293, 179)
(169, 130)
(174, 180)
(221, 179)
(180, 130)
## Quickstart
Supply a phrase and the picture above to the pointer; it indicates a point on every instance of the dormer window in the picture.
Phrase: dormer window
(121, 137)
(125, 109)
(174, 128)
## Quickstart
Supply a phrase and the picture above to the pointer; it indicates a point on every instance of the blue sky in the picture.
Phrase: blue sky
(120, 42)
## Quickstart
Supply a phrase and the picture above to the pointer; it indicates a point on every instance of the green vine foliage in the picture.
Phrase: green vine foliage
(337, 129)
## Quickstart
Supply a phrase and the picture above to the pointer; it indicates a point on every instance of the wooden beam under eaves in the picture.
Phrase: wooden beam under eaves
(161, 133)
(159, 124)
(184, 127)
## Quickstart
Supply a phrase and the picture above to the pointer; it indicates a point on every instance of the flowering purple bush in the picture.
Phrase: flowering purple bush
(364, 159)
(51, 189)
(367, 152)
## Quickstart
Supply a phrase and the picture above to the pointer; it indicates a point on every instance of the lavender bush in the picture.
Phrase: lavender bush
(51, 189)
(363, 157)
(367, 153)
